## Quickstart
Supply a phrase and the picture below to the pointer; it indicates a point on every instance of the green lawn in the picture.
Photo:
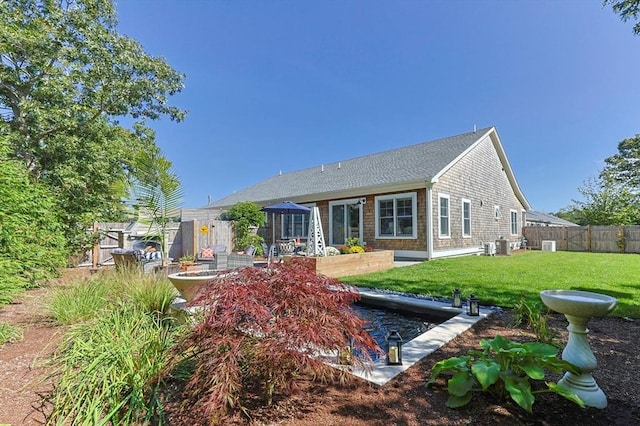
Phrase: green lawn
(505, 280)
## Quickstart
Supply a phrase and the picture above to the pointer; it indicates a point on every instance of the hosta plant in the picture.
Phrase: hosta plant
(503, 368)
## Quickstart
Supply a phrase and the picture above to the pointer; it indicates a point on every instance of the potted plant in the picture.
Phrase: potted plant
(186, 261)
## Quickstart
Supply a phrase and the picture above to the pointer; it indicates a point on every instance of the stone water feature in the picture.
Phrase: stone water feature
(579, 307)
(188, 283)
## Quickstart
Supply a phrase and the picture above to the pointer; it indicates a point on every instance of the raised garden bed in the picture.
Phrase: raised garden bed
(348, 264)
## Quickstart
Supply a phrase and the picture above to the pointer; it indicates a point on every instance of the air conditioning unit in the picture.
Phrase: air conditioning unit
(490, 249)
(503, 247)
(548, 245)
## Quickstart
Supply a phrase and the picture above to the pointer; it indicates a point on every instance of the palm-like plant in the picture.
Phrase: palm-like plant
(157, 195)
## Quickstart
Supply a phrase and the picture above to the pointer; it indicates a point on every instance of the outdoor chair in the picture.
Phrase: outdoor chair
(212, 256)
(286, 247)
(129, 259)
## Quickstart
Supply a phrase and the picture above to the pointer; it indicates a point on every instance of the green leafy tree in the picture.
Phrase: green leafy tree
(32, 244)
(627, 9)
(604, 204)
(623, 168)
(245, 215)
(66, 78)
(614, 197)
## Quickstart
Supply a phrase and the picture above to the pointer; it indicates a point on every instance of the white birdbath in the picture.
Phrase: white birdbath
(578, 307)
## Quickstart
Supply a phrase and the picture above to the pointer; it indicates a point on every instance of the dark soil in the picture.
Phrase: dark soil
(403, 401)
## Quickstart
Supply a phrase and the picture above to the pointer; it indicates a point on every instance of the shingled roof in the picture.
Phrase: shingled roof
(362, 175)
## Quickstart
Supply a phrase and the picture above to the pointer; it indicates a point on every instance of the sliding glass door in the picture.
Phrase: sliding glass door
(345, 220)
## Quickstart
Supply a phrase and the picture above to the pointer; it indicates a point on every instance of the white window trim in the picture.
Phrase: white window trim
(448, 235)
(414, 218)
(465, 201)
(512, 222)
(497, 213)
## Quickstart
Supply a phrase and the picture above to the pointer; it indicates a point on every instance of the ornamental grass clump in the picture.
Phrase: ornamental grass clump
(10, 333)
(503, 369)
(79, 301)
(111, 370)
(84, 299)
(261, 330)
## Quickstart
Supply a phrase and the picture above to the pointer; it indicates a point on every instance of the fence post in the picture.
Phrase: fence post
(588, 238)
(622, 243)
(95, 253)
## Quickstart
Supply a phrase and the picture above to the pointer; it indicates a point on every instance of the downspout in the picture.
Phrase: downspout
(429, 184)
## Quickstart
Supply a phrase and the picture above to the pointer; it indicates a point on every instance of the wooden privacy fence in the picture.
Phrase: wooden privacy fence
(183, 238)
(597, 239)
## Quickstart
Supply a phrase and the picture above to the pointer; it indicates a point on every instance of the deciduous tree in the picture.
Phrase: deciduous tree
(66, 79)
(627, 9)
(261, 329)
(604, 204)
(623, 168)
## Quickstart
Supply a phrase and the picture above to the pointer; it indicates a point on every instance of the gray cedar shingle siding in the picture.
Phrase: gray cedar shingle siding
(413, 163)
(480, 178)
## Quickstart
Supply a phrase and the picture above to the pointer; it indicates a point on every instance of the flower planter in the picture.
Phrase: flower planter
(348, 264)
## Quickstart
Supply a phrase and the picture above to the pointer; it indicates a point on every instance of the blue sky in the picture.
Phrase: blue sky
(282, 85)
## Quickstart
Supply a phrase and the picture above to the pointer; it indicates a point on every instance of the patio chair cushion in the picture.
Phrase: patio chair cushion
(206, 253)
(153, 255)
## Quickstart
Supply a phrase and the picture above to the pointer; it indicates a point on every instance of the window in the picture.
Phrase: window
(466, 218)
(497, 212)
(443, 209)
(396, 216)
(514, 222)
(295, 226)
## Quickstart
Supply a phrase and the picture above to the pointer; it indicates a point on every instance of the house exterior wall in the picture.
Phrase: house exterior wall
(478, 177)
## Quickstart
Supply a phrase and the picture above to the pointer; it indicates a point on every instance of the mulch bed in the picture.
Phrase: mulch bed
(403, 401)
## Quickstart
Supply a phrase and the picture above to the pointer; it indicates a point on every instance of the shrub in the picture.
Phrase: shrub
(356, 249)
(344, 249)
(368, 249)
(245, 215)
(503, 368)
(32, 242)
(332, 251)
(264, 328)
(353, 242)
(254, 240)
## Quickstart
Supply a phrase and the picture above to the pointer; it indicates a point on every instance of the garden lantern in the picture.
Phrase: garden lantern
(457, 298)
(474, 308)
(394, 348)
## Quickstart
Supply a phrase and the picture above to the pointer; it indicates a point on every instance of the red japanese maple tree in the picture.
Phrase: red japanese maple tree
(269, 326)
